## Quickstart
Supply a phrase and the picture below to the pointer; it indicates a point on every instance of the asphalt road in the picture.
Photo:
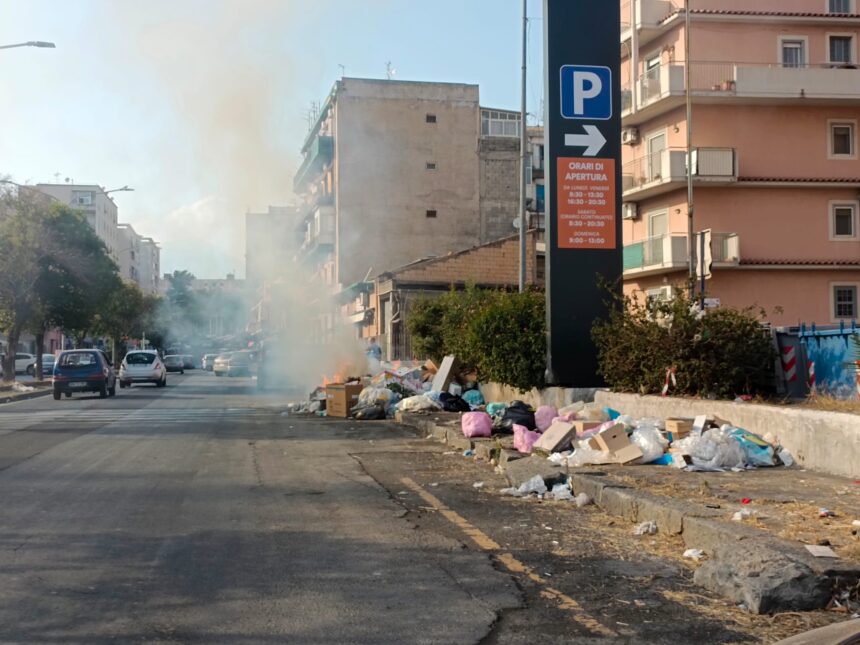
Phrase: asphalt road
(199, 513)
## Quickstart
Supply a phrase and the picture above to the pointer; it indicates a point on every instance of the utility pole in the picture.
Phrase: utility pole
(691, 244)
(523, 153)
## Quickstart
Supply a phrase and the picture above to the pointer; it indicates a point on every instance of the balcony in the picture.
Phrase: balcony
(319, 233)
(318, 154)
(651, 20)
(661, 254)
(658, 90)
(668, 253)
(666, 170)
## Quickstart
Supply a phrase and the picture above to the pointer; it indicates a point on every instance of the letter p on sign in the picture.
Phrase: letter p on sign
(586, 92)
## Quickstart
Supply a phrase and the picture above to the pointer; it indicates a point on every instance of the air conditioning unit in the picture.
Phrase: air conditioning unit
(630, 136)
(629, 210)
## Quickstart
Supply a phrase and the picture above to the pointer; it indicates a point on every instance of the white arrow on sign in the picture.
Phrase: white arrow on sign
(593, 140)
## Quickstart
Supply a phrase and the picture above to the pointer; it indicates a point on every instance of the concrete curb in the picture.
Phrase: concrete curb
(23, 396)
(745, 564)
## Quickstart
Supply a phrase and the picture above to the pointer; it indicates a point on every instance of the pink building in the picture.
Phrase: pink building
(775, 92)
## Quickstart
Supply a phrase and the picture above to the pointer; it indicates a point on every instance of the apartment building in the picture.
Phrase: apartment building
(150, 265)
(270, 238)
(775, 92)
(97, 205)
(129, 254)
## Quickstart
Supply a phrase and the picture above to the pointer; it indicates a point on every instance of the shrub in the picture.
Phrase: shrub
(501, 334)
(722, 353)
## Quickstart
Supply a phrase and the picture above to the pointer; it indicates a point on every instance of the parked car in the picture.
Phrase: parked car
(209, 361)
(22, 362)
(142, 366)
(83, 370)
(239, 364)
(48, 361)
(174, 363)
(221, 363)
(188, 362)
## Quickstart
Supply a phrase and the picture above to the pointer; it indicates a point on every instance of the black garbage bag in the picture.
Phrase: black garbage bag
(453, 403)
(518, 413)
(370, 413)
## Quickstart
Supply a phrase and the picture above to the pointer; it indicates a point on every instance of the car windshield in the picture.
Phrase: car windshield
(172, 359)
(79, 359)
(139, 358)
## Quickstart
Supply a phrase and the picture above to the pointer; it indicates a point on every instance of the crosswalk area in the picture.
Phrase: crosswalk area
(133, 419)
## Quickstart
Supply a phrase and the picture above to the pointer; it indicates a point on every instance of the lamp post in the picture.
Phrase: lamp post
(31, 43)
(124, 189)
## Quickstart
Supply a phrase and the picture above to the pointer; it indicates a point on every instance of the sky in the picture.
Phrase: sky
(201, 105)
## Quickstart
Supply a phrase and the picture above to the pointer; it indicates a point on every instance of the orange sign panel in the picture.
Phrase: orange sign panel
(586, 203)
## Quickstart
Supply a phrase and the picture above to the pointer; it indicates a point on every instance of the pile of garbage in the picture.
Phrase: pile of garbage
(583, 434)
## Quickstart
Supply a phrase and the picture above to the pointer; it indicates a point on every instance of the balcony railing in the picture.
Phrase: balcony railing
(320, 231)
(659, 171)
(664, 253)
(656, 253)
(319, 153)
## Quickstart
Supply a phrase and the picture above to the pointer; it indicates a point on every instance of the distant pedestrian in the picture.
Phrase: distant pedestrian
(374, 351)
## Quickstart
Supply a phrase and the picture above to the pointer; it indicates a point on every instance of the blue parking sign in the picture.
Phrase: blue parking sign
(586, 92)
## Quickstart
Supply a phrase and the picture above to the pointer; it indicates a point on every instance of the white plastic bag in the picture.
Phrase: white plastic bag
(585, 455)
(535, 485)
(583, 500)
(561, 492)
(650, 442)
(716, 449)
(419, 402)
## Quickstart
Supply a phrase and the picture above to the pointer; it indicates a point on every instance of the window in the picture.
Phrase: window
(495, 123)
(839, 6)
(431, 165)
(83, 197)
(656, 147)
(430, 118)
(841, 49)
(431, 214)
(844, 301)
(843, 220)
(842, 139)
(793, 52)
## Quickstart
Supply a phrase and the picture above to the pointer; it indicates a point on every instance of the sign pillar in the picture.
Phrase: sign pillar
(582, 60)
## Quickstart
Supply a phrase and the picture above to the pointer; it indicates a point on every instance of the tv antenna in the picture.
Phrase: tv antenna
(389, 70)
(342, 70)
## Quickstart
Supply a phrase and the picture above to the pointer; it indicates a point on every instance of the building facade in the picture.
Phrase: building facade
(775, 95)
(150, 265)
(98, 207)
(129, 259)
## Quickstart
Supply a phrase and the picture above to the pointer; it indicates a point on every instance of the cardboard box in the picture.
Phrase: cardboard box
(584, 426)
(447, 370)
(614, 441)
(340, 398)
(556, 437)
(679, 428)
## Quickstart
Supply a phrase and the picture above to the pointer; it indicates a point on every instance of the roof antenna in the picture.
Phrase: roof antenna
(389, 70)
(342, 70)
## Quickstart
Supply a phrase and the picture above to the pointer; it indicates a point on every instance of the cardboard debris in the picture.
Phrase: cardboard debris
(340, 398)
(679, 428)
(556, 437)
(705, 422)
(584, 426)
(821, 551)
(614, 441)
(450, 366)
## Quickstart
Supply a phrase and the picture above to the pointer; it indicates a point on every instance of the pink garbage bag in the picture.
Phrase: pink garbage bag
(524, 439)
(477, 424)
(544, 417)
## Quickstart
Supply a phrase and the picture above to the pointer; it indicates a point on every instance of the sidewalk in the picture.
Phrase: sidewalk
(9, 395)
(760, 561)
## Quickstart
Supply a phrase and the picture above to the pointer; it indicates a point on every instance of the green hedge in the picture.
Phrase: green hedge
(501, 334)
(721, 353)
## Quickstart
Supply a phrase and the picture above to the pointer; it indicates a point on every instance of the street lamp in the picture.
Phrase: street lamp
(124, 189)
(31, 43)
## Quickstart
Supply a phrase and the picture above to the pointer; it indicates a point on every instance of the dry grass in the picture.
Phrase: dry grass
(832, 404)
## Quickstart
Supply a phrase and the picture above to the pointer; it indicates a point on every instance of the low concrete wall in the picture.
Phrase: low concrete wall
(557, 396)
(828, 442)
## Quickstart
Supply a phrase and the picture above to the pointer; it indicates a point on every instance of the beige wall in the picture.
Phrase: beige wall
(384, 189)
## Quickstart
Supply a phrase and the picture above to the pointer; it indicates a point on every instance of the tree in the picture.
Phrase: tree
(126, 312)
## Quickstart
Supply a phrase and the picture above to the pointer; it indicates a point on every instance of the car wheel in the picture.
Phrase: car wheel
(103, 392)
(182, 371)
(68, 395)
(121, 385)
(31, 371)
(112, 391)
(56, 395)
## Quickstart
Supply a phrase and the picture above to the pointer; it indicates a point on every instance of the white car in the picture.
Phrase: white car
(142, 366)
(22, 362)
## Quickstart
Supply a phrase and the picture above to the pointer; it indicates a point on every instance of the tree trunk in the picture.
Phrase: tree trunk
(40, 346)
(12, 337)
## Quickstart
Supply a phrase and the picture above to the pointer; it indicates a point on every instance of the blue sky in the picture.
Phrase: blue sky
(200, 104)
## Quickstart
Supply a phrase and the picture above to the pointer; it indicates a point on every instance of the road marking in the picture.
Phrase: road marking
(513, 565)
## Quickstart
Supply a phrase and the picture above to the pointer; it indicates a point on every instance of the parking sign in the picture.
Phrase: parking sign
(586, 92)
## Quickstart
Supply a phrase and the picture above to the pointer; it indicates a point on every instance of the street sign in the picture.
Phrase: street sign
(582, 62)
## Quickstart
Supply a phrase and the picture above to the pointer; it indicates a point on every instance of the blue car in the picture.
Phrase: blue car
(83, 370)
